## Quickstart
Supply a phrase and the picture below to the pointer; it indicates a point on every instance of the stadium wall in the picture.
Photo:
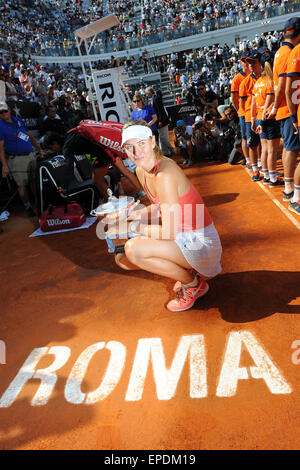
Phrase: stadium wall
(226, 35)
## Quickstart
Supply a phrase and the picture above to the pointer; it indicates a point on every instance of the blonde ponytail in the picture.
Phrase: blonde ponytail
(268, 72)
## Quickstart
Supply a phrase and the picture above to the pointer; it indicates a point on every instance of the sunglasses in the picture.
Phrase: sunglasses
(3, 112)
(136, 101)
(228, 114)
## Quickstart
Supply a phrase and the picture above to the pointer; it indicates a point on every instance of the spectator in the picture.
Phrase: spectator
(29, 94)
(145, 112)
(41, 92)
(10, 89)
(156, 101)
(65, 112)
(16, 142)
(206, 99)
(52, 122)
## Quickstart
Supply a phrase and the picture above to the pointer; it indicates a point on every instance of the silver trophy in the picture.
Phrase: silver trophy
(117, 209)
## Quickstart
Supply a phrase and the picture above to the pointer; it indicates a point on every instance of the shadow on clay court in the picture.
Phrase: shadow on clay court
(42, 423)
(252, 295)
(218, 199)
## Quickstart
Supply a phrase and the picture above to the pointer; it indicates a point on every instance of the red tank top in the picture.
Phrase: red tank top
(194, 214)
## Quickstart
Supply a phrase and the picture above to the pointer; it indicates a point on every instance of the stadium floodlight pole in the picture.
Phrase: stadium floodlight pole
(90, 31)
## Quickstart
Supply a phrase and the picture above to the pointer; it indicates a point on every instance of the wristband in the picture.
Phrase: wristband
(253, 119)
(293, 118)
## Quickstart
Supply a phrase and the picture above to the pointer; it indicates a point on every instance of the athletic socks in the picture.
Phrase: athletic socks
(288, 185)
(273, 176)
(254, 168)
(266, 174)
(296, 196)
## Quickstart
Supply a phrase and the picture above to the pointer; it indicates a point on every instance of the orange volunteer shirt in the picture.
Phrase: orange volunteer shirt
(279, 70)
(246, 89)
(235, 85)
(293, 70)
(262, 88)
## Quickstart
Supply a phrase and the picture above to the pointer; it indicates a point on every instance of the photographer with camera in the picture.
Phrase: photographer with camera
(218, 136)
(231, 135)
(205, 136)
(207, 100)
(183, 142)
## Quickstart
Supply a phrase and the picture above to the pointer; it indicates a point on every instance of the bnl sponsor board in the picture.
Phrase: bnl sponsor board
(185, 112)
(149, 359)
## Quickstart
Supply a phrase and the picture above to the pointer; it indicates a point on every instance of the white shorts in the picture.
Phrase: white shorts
(202, 249)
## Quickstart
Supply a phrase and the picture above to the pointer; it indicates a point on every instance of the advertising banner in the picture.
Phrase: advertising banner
(184, 112)
(108, 92)
(29, 112)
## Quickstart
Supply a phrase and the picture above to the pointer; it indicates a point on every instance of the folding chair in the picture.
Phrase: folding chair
(58, 172)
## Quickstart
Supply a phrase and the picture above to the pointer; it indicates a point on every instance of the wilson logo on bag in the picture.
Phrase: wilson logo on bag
(69, 216)
(56, 222)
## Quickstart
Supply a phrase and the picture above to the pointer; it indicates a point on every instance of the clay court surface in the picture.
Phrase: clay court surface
(95, 361)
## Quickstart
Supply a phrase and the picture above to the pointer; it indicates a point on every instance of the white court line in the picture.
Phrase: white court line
(278, 204)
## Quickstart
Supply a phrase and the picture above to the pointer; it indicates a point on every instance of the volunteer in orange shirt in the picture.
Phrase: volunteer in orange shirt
(293, 100)
(268, 130)
(280, 109)
(235, 86)
(246, 89)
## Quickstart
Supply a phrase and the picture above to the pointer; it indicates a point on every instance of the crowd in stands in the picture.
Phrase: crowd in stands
(215, 65)
(63, 87)
(47, 27)
(56, 86)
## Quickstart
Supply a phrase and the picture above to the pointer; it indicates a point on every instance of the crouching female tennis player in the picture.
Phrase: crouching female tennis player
(185, 246)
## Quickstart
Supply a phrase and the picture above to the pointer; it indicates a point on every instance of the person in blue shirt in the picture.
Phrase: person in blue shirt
(145, 112)
(16, 153)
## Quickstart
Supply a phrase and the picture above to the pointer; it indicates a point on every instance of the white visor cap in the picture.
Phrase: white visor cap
(136, 132)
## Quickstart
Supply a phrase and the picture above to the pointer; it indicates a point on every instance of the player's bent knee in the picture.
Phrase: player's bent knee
(133, 250)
